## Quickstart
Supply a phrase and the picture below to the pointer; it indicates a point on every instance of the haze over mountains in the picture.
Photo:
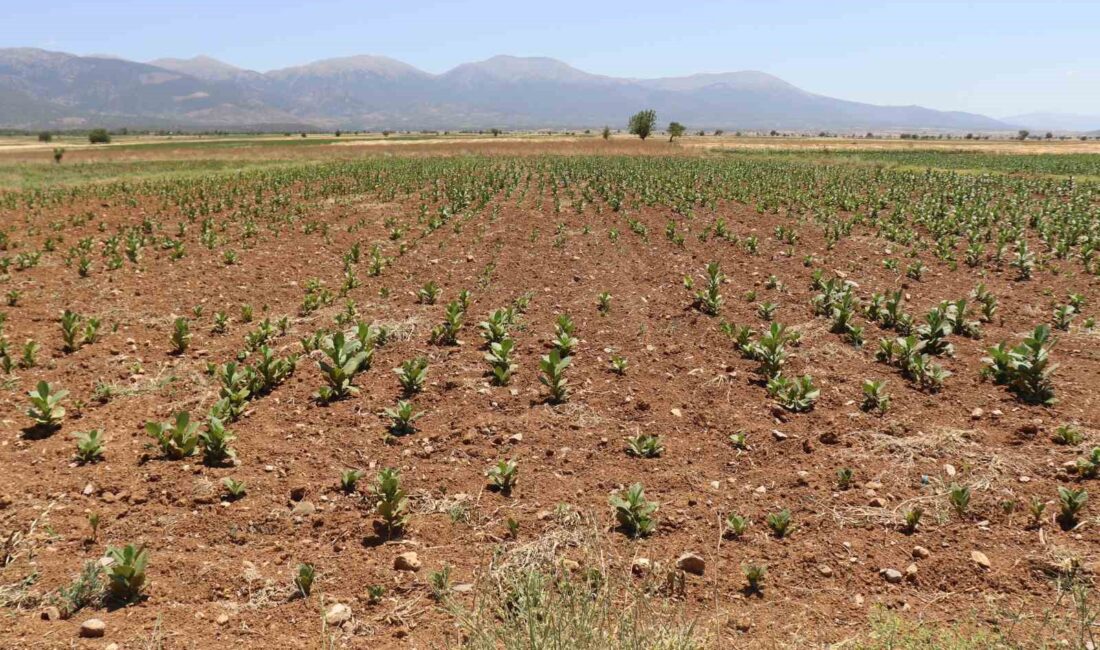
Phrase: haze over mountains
(41, 89)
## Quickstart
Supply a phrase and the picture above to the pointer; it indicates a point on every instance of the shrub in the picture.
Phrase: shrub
(99, 136)
(641, 123)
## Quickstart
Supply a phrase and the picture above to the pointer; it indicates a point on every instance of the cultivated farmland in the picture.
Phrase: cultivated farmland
(427, 399)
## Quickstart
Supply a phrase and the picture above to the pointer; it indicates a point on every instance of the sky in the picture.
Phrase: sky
(996, 58)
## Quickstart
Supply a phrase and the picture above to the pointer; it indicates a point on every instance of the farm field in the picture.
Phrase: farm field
(569, 393)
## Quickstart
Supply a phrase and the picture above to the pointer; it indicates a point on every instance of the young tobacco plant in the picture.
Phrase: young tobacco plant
(503, 476)
(181, 335)
(446, 333)
(1070, 503)
(390, 501)
(553, 375)
(500, 361)
(644, 446)
(780, 523)
(46, 410)
(494, 329)
(709, 299)
(89, 446)
(412, 374)
(349, 479)
(793, 394)
(215, 442)
(126, 572)
(234, 489)
(303, 579)
(177, 439)
(344, 357)
(428, 294)
(736, 525)
(874, 395)
(402, 418)
(633, 512)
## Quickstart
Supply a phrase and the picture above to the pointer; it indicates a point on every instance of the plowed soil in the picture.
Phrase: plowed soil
(220, 571)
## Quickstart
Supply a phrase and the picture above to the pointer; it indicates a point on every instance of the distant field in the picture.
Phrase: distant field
(36, 175)
(1072, 164)
(26, 163)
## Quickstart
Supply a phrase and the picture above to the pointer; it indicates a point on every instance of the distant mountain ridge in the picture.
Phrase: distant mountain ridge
(1055, 121)
(41, 89)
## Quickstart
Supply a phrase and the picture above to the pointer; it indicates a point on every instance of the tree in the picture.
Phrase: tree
(99, 136)
(45, 136)
(495, 132)
(1023, 133)
(641, 123)
(606, 133)
(675, 130)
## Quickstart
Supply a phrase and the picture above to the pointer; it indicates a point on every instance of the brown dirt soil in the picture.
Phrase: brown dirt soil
(235, 560)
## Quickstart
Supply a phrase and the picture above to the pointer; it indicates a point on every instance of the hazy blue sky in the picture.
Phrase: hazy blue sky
(997, 58)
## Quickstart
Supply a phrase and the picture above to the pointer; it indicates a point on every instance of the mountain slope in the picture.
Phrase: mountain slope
(206, 68)
(40, 88)
(98, 90)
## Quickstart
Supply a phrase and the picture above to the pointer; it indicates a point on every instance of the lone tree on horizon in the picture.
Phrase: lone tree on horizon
(675, 130)
(642, 122)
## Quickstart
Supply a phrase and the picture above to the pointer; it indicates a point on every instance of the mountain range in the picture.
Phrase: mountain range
(1055, 121)
(43, 89)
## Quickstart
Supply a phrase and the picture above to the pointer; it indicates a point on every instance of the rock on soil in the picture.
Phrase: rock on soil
(691, 563)
(893, 576)
(980, 559)
(93, 628)
(338, 614)
(407, 562)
